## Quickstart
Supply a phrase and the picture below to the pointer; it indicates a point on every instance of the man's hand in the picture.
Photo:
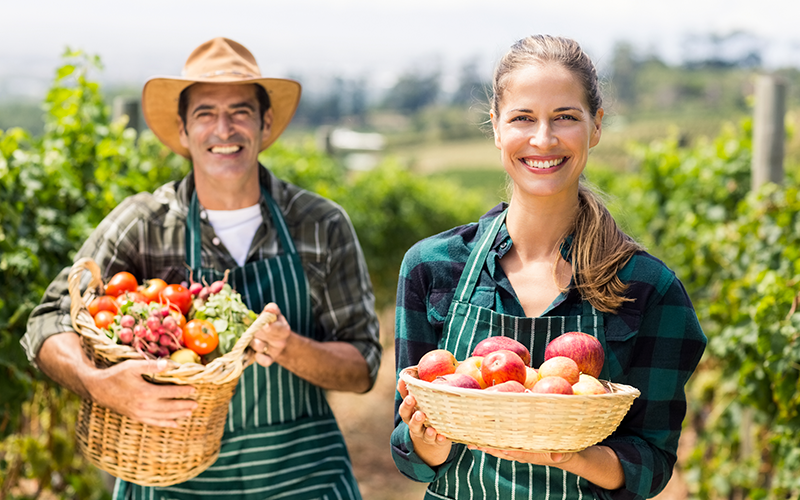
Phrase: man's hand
(120, 388)
(123, 389)
(270, 341)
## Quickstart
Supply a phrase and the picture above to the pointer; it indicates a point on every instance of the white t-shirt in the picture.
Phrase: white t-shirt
(236, 229)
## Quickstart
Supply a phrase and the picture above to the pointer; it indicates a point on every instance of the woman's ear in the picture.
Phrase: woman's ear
(495, 132)
(598, 128)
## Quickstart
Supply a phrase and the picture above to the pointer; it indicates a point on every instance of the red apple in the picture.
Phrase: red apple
(531, 377)
(491, 344)
(500, 366)
(552, 385)
(457, 380)
(588, 385)
(507, 386)
(472, 367)
(560, 366)
(435, 364)
(582, 348)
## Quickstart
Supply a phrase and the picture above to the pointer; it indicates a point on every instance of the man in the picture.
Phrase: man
(287, 247)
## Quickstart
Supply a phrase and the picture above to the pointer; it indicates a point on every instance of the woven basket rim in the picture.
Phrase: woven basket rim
(221, 370)
(407, 375)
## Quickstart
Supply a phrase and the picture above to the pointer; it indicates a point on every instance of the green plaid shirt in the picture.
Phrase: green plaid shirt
(656, 341)
(145, 235)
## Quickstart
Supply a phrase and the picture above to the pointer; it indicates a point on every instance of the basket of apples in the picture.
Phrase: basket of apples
(495, 399)
(201, 331)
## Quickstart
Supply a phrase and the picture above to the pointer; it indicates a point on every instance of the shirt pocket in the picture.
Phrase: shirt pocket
(440, 300)
(621, 331)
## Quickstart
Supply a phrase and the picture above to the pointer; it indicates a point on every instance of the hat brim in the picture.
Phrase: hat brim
(160, 106)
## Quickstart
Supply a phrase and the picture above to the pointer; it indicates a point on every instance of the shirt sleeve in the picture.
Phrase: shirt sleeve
(415, 334)
(347, 302)
(657, 359)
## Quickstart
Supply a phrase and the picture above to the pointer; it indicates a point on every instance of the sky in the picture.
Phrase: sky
(310, 39)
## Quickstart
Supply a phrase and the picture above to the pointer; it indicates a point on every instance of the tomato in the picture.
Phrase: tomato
(153, 289)
(120, 283)
(104, 318)
(103, 303)
(131, 296)
(178, 295)
(200, 336)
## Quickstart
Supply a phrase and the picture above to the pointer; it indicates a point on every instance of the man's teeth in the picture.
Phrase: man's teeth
(225, 150)
(542, 164)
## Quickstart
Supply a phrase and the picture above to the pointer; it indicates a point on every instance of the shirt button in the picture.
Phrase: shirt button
(204, 214)
(503, 245)
(215, 241)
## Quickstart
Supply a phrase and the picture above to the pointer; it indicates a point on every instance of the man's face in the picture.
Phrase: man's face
(223, 130)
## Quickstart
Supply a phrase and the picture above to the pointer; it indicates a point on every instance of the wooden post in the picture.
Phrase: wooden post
(127, 106)
(768, 130)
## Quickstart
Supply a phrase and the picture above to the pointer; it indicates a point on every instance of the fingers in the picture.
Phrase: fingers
(402, 388)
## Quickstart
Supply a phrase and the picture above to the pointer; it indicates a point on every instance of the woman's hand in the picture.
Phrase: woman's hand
(432, 447)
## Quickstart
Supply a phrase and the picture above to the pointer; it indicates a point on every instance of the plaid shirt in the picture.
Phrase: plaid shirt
(655, 341)
(145, 235)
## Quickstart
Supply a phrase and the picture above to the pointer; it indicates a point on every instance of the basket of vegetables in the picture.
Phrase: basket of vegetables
(202, 330)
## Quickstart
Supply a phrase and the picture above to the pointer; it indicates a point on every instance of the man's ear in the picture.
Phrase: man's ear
(182, 136)
(267, 121)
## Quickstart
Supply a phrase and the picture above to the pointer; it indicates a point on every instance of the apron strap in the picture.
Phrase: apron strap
(472, 269)
(193, 233)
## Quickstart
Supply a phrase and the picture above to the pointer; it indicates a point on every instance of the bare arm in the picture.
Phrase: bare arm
(597, 464)
(336, 366)
(120, 388)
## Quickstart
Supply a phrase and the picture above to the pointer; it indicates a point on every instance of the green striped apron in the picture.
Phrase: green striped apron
(281, 440)
(475, 475)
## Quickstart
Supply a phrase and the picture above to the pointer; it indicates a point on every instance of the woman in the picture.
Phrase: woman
(551, 261)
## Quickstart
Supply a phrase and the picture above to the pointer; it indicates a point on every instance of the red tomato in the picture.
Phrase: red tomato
(200, 336)
(104, 318)
(103, 303)
(153, 289)
(178, 295)
(120, 283)
(132, 296)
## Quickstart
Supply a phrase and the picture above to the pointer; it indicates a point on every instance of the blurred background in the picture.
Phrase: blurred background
(393, 125)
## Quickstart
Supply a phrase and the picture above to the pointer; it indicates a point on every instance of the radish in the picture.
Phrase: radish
(126, 336)
(127, 321)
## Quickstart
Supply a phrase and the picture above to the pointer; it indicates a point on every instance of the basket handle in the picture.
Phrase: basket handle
(241, 349)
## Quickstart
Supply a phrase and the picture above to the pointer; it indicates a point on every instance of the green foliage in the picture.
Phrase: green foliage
(389, 207)
(738, 253)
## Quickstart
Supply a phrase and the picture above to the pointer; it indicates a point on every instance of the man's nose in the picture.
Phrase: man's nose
(224, 126)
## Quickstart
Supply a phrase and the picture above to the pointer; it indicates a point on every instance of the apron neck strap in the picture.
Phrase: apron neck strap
(193, 233)
(472, 269)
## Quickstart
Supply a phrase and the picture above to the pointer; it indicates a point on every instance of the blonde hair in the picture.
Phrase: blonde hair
(599, 248)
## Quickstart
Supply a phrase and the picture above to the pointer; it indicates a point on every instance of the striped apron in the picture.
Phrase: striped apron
(475, 475)
(281, 439)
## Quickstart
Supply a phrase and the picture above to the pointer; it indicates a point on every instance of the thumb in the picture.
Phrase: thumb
(150, 365)
(273, 308)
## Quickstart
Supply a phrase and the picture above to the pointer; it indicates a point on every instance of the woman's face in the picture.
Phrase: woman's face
(544, 130)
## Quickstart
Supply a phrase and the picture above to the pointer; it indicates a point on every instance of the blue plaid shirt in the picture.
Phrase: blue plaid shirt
(656, 340)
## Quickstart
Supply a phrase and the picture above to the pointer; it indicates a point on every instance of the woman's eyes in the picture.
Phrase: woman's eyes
(530, 119)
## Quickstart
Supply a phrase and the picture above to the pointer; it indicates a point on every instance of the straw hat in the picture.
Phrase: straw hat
(217, 61)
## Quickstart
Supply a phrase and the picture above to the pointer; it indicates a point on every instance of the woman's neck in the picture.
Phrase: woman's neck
(537, 226)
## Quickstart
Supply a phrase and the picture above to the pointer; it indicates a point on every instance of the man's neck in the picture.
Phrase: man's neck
(228, 194)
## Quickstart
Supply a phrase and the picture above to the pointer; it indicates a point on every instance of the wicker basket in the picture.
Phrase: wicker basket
(144, 454)
(547, 423)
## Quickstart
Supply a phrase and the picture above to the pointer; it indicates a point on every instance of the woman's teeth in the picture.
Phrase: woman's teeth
(225, 150)
(542, 164)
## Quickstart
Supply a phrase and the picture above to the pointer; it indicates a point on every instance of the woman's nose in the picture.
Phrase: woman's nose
(543, 137)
